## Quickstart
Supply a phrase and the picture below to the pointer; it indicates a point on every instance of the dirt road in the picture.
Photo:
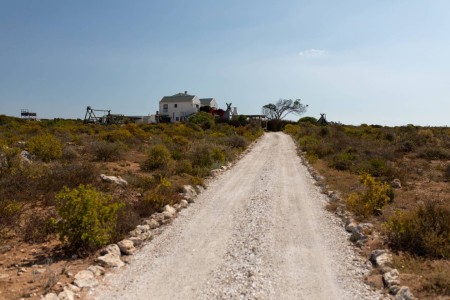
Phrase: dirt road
(260, 231)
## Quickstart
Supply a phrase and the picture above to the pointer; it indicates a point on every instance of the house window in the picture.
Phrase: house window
(165, 107)
(196, 105)
(175, 105)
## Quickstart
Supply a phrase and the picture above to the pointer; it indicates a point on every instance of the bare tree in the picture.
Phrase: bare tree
(282, 108)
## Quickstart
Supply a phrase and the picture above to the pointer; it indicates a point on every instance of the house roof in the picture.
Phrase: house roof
(206, 101)
(180, 97)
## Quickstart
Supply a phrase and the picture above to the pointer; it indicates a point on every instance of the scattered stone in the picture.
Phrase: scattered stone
(189, 192)
(114, 179)
(85, 279)
(96, 270)
(380, 258)
(351, 227)
(127, 247)
(177, 207)
(224, 168)
(110, 261)
(111, 249)
(25, 157)
(404, 294)
(169, 212)
(184, 203)
(73, 288)
(356, 236)
(152, 223)
(66, 294)
(396, 184)
(334, 196)
(38, 271)
(216, 172)
(391, 281)
(136, 241)
(50, 296)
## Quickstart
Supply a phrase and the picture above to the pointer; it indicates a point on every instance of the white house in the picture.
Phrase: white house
(178, 107)
(211, 102)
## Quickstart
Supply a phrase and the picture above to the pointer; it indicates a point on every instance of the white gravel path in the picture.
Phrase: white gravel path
(260, 231)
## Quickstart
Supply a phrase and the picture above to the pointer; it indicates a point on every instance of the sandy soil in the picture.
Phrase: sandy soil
(260, 231)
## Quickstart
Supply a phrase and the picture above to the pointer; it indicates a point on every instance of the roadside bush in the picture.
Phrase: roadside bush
(116, 135)
(424, 231)
(156, 199)
(201, 156)
(70, 175)
(158, 157)
(45, 147)
(106, 151)
(235, 141)
(343, 161)
(373, 199)
(88, 217)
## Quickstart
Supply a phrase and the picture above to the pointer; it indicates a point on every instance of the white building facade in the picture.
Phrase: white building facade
(178, 107)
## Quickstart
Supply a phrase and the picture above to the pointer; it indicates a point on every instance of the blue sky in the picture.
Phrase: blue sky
(377, 62)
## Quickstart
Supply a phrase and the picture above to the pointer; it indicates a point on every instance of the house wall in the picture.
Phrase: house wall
(182, 111)
(213, 103)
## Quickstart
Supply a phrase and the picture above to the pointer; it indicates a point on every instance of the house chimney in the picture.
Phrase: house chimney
(185, 92)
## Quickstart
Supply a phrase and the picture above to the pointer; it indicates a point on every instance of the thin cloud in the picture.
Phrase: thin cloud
(313, 53)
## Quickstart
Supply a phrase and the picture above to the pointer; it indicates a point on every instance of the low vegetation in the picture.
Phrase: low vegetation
(365, 163)
(49, 173)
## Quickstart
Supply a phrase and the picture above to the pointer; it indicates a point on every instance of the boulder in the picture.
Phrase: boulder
(114, 179)
(85, 279)
(404, 294)
(127, 247)
(66, 294)
(4, 277)
(224, 168)
(396, 184)
(357, 236)
(96, 270)
(216, 172)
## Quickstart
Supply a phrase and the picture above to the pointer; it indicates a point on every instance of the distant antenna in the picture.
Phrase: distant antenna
(26, 114)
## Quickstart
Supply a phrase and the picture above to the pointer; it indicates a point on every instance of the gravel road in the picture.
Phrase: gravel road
(260, 231)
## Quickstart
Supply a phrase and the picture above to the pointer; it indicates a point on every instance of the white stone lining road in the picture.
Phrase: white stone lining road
(260, 231)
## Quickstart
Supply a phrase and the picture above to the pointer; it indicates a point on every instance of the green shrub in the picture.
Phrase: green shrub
(373, 199)
(202, 119)
(201, 155)
(117, 135)
(424, 231)
(45, 147)
(106, 151)
(156, 199)
(88, 217)
(310, 120)
(158, 157)
(343, 161)
(235, 141)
